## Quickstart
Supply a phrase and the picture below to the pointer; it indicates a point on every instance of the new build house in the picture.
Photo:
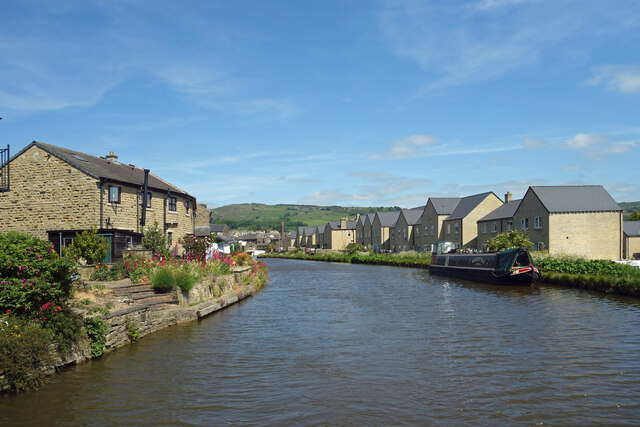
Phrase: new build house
(461, 226)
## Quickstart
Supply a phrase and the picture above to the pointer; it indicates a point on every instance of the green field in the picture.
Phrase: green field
(629, 207)
(257, 216)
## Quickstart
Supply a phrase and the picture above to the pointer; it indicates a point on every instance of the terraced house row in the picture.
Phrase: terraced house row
(579, 220)
(56, 192)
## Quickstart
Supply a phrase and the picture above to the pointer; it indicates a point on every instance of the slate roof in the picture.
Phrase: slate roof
(444, 205)
(202, 230)
(389, 218)
(507, 210)
(351, 225)
(321, 228)
(98, 167)
(309, 231)
(371, 217)
(575, 198)
(412, 216)
(217, 228)
(631, 228)
(468, 204)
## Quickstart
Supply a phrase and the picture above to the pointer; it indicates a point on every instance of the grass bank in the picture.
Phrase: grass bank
(402, 259)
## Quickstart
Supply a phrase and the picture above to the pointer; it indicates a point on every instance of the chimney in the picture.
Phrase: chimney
(357, 217)
(508, 197)
(343, 223)
(111, 157)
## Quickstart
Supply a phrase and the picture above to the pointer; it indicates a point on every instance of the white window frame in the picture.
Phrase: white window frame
(456, 228)
(537, 223)
(510, 225)
(524, 223)
(494, 227)
(448, 228)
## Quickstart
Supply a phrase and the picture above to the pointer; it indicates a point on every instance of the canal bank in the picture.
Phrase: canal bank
(128, 311)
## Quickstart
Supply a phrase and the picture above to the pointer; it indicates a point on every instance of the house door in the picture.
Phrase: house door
(107, 237)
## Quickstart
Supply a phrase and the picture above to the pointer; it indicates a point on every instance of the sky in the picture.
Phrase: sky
(332, 102)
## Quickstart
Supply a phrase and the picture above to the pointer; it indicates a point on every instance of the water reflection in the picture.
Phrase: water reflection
(355, 344)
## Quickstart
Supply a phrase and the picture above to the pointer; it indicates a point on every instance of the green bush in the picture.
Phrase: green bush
(24, 349)
(32, 276)
(89, 246)
(162, 280)
(510, 240)
(579, 265)
(67, 329)
(184, 279)
(155, 240)
(97, 330)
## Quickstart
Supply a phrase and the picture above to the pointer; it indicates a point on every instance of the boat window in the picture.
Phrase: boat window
(522, 260)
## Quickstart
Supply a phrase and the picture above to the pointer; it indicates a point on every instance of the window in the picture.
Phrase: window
(432, 230)
(540, 246)
(448, 228)
(114, 194)
(172, 203)
(484, 228)
(509, 225)
(148, 200)
(536, 222)
(456, 226)
(494, 227)
(186, 206)
(524, 223)
(169, 238)
(67, 241)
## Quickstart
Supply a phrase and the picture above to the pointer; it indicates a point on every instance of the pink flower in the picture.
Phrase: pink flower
(8, 310)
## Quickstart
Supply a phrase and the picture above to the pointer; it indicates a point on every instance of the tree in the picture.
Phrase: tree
(154, 239)
(509, 240)
(634, 216)
(88, 245)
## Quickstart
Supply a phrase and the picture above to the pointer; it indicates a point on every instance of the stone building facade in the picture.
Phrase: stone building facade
(435, 212)
(461, 226)
(631, 249)
(57, 192)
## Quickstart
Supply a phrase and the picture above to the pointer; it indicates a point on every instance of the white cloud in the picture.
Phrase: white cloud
(570, 168)
(533, 143)
(621, 78)
(410, 146)
(598, 146)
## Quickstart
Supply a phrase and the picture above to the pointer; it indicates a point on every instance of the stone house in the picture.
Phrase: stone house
(306, 236)
(339, 235)
(631, 248)
(360, 220)
(382, 222)
(320, 236)
(579, 220)
(56, 192)
(461, 226)
(431, 228)
(367, 238)
(202, 227)
(402, 233)
(498, 221)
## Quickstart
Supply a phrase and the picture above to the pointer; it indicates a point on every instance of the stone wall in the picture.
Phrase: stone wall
(48, 194)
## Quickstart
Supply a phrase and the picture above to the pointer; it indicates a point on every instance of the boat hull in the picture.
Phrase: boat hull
(486, 275)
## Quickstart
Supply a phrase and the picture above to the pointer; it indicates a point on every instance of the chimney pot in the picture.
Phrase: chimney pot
(508, 197)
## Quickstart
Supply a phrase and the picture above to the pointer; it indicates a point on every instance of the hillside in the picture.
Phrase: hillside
(629, 207)
(256, 216)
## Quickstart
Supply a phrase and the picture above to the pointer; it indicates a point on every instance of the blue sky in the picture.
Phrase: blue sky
(354, 102)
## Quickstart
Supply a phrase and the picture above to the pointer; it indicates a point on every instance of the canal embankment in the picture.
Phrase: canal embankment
(569, 271)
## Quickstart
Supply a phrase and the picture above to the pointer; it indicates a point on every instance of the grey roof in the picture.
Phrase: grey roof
(217, 228)
(388, 219)
(468, 204)
(371, 217)
(631, 228)
(351, 225)
(575, 198)
(444, 205)
(362, 219)
(293, 234)
(412, 216)
(507, 210)
(309, 231)
(321, 228)
(98, 167)
(202, 230)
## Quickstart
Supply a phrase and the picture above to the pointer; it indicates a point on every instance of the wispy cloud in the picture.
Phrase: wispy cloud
(534, 143)
(409, 146)
(599, 146)
(621, 78)
(459, 43)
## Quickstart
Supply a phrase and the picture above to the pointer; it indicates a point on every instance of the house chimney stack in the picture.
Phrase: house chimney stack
(112, 157)
(508, 197)
(343, 223)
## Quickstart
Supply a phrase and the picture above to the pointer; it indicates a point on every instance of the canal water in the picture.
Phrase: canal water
(366, 345)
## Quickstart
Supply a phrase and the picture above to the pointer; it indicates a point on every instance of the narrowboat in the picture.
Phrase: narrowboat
(510, 267)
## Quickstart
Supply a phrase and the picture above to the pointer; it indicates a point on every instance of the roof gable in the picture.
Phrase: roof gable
(468, 204)
(507, 210)
(388, 218)
(443, 205)
(575, 198)
(631, 228)
(412, 216)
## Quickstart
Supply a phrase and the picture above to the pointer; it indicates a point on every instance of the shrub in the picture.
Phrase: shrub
(195, 247)
(509, 240)
(32, 276)
(242, 258)
(67, 329)
(87, 245)
(132, 329)
(155, 240)
(24, 349)
(184, 279)
(101, 272)
(162, 280)
(97, 330)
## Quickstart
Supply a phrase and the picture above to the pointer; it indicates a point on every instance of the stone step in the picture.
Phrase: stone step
(164, 306)
(156, 299)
